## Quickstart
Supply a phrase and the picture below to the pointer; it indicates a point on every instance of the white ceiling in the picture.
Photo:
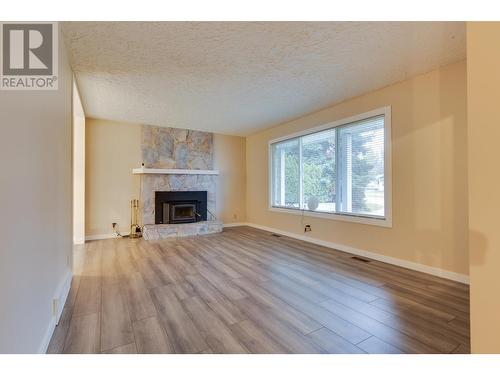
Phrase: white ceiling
(239, 77)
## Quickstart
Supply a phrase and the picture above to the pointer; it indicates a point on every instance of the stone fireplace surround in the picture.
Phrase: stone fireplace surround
(172, 148)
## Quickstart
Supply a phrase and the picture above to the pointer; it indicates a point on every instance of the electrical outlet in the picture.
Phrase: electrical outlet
(113, 225)
(55, 306)
(235, 216)
(307, 228)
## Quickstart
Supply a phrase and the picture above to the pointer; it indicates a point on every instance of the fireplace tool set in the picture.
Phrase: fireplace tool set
(135, 229)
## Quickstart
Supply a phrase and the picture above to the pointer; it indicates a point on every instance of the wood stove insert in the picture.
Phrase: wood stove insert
(178, 207)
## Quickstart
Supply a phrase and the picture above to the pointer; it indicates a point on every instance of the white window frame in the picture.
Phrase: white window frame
(385, 221)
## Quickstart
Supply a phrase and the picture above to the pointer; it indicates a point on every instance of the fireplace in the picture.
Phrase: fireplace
(178, 207)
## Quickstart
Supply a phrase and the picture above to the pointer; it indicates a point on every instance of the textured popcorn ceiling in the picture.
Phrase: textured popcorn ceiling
(239, 77)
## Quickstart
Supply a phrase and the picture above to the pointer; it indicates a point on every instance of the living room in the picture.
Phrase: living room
(249, 187)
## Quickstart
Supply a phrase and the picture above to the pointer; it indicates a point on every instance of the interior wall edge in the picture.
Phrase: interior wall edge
(61, 295)
(104, 236)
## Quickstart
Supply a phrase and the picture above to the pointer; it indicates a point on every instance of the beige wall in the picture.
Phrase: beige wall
(229, 158)
(483, 73)
(78, 168)
(113, 149)
(429, 158)
(36, 210)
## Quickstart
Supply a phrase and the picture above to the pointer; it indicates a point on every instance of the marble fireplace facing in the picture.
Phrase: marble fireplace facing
(172, 148)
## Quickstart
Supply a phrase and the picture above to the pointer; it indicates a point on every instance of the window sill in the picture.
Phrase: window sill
(382, 222)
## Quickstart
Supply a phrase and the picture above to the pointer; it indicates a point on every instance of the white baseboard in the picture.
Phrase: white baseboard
(105, 236)
(229, 225)
(78, 241)
(61, 295)
(464, 279)
(461, 278)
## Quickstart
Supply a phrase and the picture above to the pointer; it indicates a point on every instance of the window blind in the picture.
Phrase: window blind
(338, 170)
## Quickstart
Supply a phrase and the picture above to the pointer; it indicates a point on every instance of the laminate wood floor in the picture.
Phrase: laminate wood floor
(248, 291)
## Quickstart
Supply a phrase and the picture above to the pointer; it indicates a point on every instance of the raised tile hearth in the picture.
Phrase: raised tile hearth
(161, 231)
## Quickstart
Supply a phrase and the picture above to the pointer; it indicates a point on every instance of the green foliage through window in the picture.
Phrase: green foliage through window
(335, 170)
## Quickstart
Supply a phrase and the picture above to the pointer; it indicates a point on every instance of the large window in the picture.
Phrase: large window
(340, 170)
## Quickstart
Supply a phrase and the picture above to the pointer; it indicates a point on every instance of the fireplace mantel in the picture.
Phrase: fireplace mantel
(143, 170)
